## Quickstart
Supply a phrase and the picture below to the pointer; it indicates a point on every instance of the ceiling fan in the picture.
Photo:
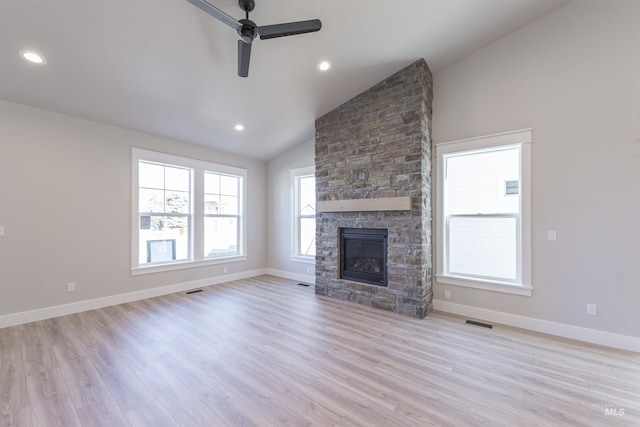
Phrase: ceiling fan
(248, 30)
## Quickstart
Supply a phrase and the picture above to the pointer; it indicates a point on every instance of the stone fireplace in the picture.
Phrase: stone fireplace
(373, 171)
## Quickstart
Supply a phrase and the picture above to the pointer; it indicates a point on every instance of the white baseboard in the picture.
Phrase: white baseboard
(305, 278)
(80, 306)
(593, 336)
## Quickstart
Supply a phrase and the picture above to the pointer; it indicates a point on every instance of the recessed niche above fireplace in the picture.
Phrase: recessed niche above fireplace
(363, 255)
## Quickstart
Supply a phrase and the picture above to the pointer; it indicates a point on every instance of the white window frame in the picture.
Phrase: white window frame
(523, 140)
(296, 175)
(238, 216)
(196, 250)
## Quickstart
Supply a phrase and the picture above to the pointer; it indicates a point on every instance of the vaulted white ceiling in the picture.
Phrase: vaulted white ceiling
(166, 68)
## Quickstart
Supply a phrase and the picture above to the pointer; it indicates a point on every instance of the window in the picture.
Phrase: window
(221, 214)
(511, 187)
(164, 207)
(304, 202)
(483, 212)
(186, 212)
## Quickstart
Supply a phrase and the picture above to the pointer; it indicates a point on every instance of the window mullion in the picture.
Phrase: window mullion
(197, 216)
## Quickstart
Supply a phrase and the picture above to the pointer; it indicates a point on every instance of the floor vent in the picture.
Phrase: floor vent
(194, 292)
(302, 284)
(484, 325)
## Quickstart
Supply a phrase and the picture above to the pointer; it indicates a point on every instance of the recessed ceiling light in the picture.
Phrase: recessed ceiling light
(33, 57)
(324, 65)
(239, 127)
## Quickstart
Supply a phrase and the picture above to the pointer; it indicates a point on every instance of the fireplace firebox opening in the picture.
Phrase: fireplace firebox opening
(363, 255)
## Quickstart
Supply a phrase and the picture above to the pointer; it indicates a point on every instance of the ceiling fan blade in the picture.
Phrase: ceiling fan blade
(288, 29)
(216, 13)
(244, 55)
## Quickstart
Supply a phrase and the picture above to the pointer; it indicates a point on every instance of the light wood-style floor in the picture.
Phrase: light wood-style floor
(267, 352)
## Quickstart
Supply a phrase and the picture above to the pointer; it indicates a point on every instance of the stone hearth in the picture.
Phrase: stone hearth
(378, 146)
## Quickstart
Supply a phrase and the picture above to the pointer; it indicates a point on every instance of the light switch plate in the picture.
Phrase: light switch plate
(1, 231)
(552, 236)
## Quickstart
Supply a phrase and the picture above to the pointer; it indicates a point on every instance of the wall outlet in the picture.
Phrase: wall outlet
(447, 294)
(592, 309)
(552, 236)
(224, 269)
(71, 287)
(1, 230)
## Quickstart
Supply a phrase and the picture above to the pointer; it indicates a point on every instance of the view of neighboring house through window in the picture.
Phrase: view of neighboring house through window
(483, 214)
(165, 212)
(185, 212)
(481, 219)
(221, 214)
(304, 244)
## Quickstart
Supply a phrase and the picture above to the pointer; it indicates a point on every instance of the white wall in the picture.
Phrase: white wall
(280, 206)
(574, 77)
(65, 203)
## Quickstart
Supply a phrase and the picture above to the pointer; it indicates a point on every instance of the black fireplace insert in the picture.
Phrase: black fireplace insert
(363, 255)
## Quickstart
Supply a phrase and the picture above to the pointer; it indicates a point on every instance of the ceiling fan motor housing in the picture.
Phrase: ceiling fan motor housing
(248, 30)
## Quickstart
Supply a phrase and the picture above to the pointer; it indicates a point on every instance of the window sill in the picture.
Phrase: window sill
(157, 268)
(303, 259)
(487, 285)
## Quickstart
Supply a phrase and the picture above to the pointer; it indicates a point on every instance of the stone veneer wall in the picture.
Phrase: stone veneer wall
(378, 144)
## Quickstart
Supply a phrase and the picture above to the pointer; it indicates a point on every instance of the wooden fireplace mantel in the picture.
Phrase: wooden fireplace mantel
(365, 205)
